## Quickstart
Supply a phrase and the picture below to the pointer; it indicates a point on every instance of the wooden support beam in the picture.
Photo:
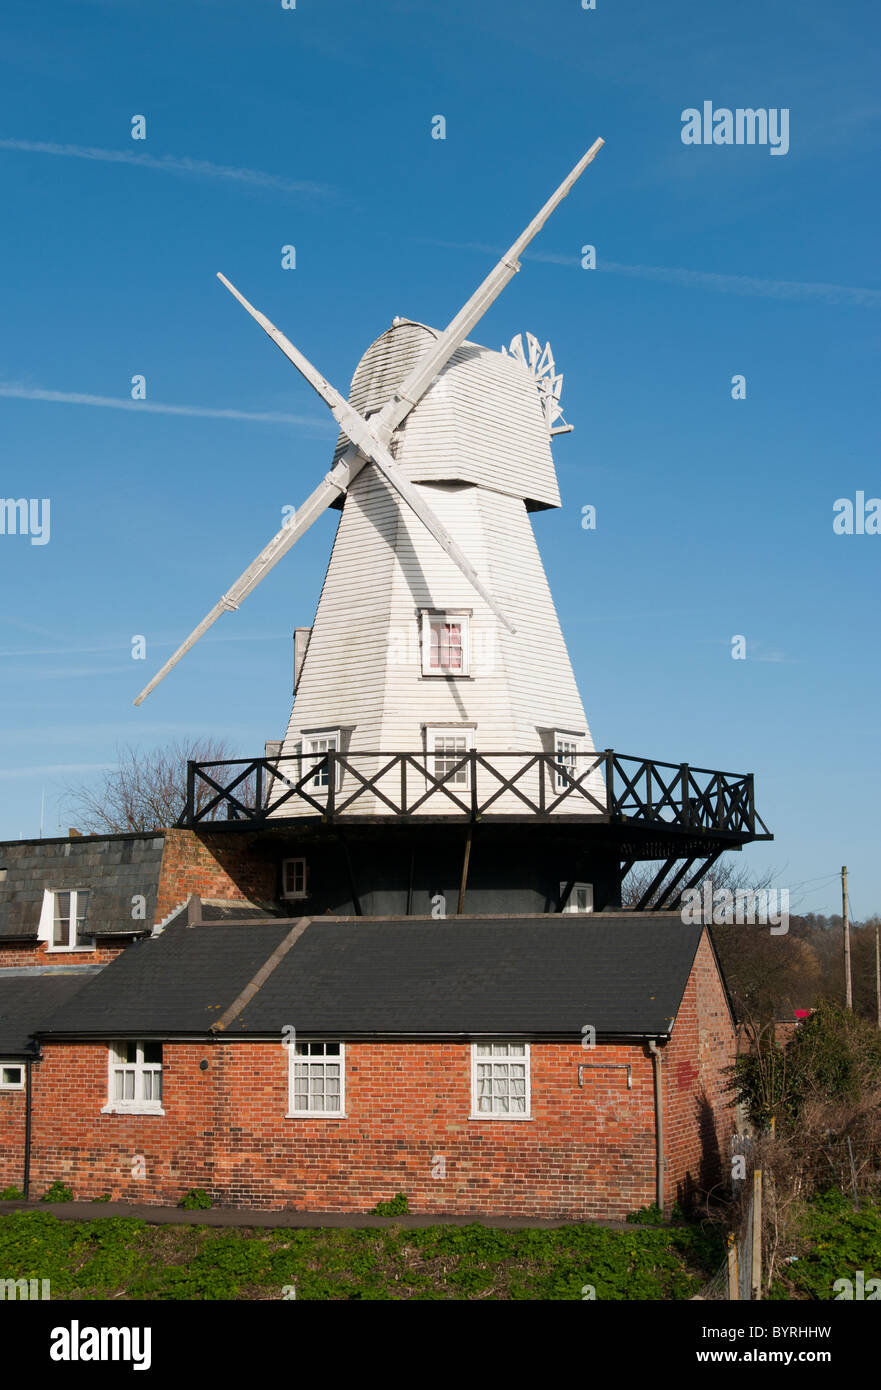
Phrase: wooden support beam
(655, 884)
(465, 863)
(704, 868)
(670, 888)
(565, 895)
(356, 901)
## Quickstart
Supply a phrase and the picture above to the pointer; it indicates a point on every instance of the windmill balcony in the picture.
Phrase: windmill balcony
(606, 789)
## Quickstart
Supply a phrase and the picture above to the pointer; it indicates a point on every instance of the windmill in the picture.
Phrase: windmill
(368, 439)
(434, 685)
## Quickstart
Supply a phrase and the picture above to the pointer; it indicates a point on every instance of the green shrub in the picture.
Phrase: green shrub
(397, 1206)
(58, 1192)
(10, 1194)
(646, 1216)
(196, 1199)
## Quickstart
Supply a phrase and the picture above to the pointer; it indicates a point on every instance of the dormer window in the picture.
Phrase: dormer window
(446, 643)
(566, 748)
(69, 912)
(447, 747)
(315, 746)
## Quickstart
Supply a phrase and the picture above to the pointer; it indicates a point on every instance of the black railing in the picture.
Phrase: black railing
(606, 787)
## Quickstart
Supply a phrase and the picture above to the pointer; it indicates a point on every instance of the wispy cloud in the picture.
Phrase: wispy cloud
(123, 646)
(700, 279)
(53, 769)
(271, 417)
(173, 164)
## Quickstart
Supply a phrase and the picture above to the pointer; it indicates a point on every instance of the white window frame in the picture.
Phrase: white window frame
(285, 893)
(502, 1059)
(136, 1105)
(314, 787)
(573, 743)
(46, 930)
(315, 1059)
(446, 615)
(571, 903)
(12, 1085)
(436, 731)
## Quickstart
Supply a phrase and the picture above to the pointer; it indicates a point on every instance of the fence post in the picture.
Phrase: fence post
(756, 1273)
(733, 1290)
(609, 755)
(331, 783)
(191, 792)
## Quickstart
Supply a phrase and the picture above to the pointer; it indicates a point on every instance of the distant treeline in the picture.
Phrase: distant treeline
(769, 976)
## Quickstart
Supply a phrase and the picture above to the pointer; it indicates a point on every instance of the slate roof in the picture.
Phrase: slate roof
(219, 910)
(536, 976)
(28, 999)
(113, 867)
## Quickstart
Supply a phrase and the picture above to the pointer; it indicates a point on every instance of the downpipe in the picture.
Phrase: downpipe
(659, 1122)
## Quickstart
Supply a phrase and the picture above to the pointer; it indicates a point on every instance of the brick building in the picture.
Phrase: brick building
(549, 1065)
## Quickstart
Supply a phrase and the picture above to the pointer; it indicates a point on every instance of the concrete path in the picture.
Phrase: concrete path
(312, 1220)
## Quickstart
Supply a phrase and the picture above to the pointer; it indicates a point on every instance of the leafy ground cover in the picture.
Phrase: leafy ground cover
(124, 1258)
(834, 1240)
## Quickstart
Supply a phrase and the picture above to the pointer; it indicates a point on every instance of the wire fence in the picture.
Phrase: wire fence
(739, 1275)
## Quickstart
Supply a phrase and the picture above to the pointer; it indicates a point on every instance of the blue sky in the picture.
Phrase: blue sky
(312, 127)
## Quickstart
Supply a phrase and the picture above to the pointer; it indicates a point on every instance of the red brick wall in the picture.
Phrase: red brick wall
(37, 953)
(214, 866)
(698, 1118)
(587, 1152)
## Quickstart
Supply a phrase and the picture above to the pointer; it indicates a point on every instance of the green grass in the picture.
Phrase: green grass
(123, 1258)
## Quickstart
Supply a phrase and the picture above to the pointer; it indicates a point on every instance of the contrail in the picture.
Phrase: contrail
(271, 417)
(701, 279)
(170, 163)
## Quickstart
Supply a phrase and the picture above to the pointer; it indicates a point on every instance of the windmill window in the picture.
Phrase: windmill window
(317, 1079)
(567, 750)
(135, 1078)
(580, 899)
(446, 644)
(500, 1088)
(293, 878)
(447, 750)
(69, 912)
(316, 746)
(11, 1076)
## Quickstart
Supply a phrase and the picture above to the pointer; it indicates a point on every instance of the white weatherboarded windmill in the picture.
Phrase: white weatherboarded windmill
(434, 690)
(435, 629)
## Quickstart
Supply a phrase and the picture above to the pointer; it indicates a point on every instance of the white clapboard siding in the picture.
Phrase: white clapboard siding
(363, 674)
(481, 421)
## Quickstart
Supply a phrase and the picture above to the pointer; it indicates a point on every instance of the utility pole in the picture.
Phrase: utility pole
(848, 987)
(878, 972)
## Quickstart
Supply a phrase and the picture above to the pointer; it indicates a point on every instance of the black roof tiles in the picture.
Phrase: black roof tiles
(621, 973)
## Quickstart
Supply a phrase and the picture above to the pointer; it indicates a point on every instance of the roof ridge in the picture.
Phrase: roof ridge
(256, 984)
